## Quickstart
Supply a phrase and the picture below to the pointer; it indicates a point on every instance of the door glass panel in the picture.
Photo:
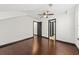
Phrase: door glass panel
(52, 29)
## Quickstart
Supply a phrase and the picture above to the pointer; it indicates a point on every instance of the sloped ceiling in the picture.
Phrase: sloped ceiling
(20, 7)
(32, 9)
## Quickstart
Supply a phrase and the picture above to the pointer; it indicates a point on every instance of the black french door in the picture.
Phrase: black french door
(52, 27)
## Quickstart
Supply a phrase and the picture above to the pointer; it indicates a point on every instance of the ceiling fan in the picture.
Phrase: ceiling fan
(46, 13)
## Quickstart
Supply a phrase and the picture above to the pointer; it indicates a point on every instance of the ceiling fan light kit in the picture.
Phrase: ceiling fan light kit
(47, 12)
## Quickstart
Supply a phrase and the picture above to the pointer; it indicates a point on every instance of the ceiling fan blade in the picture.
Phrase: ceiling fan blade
(50, 14)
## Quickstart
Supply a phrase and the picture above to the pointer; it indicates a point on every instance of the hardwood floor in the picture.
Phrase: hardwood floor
(39, 46)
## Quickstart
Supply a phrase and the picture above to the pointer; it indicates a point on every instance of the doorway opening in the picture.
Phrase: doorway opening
(52, 29)
(37, 28)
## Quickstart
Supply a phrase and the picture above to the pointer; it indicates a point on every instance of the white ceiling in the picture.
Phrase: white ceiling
(21, 7)
(34, 9)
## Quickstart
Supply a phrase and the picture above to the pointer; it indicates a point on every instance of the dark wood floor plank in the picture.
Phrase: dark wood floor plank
(39, 46)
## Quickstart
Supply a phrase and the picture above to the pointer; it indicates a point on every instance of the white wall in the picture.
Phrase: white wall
(65, 29)
(77, 25)
(66, 26)
(14, 29)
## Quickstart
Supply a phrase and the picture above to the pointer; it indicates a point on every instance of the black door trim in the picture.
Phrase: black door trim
(49, 27)
(38, 29)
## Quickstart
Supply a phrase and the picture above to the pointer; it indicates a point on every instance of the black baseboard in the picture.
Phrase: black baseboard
(65, 42)
(30, 38)
(15, 42)
(60, 41)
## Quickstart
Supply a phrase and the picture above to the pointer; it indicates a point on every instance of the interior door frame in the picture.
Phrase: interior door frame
(49, 29)
(37, 25)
